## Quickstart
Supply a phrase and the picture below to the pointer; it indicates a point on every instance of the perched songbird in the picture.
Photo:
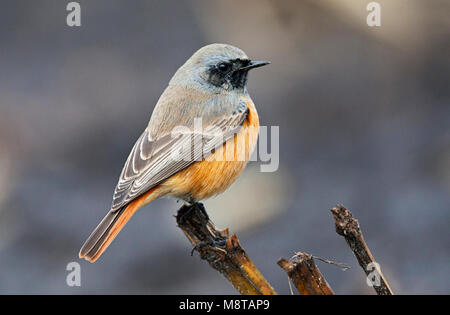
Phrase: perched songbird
(173, 156)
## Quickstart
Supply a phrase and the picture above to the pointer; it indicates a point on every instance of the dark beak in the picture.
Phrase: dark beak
(255, 64)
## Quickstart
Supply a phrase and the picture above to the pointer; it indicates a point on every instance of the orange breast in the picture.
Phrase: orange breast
(220, 169)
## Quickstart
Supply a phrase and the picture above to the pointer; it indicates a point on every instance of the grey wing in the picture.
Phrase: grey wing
(152, 161)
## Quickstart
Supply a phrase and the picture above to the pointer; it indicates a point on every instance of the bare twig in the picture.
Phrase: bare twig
(331, 262)
(348, 227)
(221, 251)
(305, 275)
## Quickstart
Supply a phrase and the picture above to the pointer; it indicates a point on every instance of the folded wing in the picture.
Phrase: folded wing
(152, 161)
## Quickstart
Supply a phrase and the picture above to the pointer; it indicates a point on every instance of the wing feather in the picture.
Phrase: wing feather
(152, 161)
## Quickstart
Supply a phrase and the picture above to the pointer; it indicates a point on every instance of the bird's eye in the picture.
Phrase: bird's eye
(224, 67)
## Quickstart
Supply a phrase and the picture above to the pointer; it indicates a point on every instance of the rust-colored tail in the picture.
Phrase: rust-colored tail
(110, 226)
(105, 233)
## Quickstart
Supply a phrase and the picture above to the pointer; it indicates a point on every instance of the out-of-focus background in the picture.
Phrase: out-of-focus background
(364, 116)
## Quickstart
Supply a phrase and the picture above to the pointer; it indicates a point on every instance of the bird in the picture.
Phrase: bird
(177, 157)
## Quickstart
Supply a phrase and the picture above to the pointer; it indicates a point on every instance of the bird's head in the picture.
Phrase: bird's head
(218, 66)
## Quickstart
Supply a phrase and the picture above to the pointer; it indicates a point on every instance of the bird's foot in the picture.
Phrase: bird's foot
(188, 209)
(202, 208)
(217, 245)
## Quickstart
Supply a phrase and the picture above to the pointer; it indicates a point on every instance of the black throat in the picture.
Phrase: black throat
(232, 78)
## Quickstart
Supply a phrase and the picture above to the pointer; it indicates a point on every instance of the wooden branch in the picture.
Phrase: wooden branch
(348, 227)
(305, 275)
(222, 252)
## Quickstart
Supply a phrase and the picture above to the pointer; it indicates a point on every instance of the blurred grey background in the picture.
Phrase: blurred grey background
(364, 116)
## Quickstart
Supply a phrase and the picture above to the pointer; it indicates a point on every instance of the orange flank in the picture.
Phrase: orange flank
(218, 171)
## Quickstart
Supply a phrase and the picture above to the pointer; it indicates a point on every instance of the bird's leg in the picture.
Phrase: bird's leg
(188, 210)
(184, 212)
(218, 246)
(217, 242)
(202, 208)
(194, 214)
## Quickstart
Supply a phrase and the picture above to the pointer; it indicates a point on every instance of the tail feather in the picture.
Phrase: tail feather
(110, 226)
(105, 233)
